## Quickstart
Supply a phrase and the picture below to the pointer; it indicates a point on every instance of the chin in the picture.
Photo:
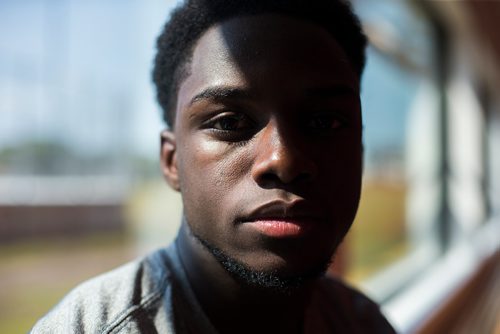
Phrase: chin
(276, 280)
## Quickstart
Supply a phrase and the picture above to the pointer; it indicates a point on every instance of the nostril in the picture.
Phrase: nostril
(281, 158)
(281, 166)
(269, 176)
(277, 179)
(271, 181)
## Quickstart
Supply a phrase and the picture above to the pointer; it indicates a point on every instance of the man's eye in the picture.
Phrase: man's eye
(235, 122)
(324, 122)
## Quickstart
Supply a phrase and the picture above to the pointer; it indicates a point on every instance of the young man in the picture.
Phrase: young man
(264, 144)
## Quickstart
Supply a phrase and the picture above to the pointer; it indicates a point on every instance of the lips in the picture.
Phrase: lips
(280, 219)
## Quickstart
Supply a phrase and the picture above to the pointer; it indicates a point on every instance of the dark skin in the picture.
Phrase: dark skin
(266, 151)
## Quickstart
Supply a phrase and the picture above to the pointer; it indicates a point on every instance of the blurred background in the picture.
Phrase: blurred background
(81, 191)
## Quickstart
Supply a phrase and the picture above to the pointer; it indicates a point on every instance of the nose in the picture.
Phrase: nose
(281, 158)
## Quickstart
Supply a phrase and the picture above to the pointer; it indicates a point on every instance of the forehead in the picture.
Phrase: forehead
(260, 52)
(250, 38)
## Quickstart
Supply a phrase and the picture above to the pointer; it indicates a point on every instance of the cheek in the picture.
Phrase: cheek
(210, 172)
(341, 179)
(340, 161)
(216, 164)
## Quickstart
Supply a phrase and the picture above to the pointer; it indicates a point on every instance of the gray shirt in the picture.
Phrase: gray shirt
(152, 295)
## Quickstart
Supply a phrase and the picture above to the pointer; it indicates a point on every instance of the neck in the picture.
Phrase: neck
(232, 306)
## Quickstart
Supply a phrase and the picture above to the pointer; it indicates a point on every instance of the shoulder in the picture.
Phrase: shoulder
(107, 303)
(353, 311)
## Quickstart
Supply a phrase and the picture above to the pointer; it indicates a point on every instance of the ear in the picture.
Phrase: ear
(168, 157)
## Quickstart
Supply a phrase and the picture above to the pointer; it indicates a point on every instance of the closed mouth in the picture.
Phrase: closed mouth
(282, 219)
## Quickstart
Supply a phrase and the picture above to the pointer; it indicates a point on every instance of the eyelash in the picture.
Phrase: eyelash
(331, 117)
(235, 117)
(240, 135)
(237, 135)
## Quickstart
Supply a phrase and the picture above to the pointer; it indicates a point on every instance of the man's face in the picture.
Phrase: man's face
(268, 143)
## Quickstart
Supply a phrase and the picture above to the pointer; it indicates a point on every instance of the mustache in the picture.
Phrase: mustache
(282, 209)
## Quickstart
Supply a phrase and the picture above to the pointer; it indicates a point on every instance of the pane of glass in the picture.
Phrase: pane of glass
(398, 100)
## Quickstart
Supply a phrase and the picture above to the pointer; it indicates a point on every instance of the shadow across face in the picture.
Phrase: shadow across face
(267, 144)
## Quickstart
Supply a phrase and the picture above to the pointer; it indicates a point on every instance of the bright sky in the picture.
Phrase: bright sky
(79, 71)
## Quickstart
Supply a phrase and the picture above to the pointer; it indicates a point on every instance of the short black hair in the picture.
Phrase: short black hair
(193, 17)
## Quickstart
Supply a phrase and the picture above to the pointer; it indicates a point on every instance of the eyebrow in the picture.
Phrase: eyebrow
(332, 91)
(220, 93)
